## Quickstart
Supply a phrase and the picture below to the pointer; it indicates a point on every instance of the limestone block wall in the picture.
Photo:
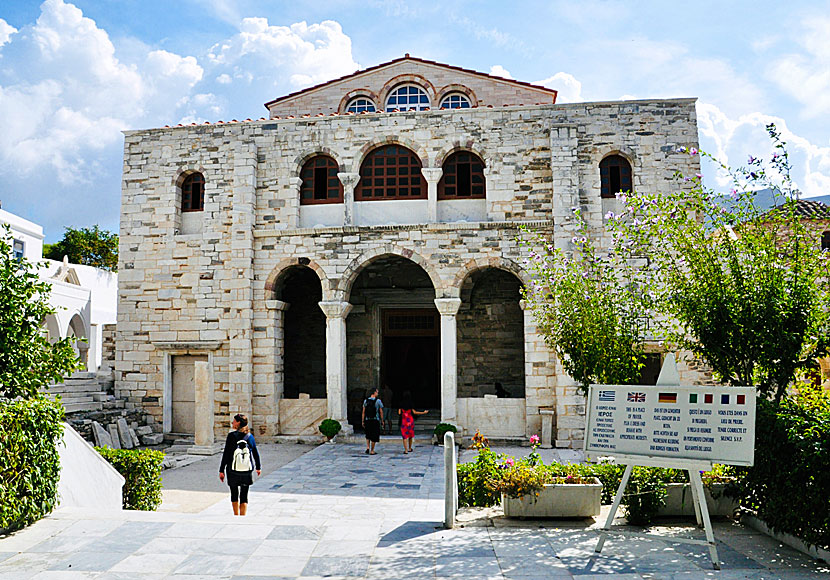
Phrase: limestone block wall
(481, 89)
(212, 292)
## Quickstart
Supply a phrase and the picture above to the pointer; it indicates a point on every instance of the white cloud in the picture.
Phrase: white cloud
(71, 96)
(321, 51)
(224, 79)
(569, 90)
(499, 71)
(732, 140)
(805, 76)
(6, 31)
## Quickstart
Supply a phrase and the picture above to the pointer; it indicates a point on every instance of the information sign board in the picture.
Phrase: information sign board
(703, 424)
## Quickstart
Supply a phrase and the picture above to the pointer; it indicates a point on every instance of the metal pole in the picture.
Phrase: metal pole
(614, 507)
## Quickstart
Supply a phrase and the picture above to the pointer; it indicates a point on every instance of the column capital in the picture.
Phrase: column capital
(348, 179)
(448, 306)
(335, 308)
(523, 304)
(277, 305)
(432, 174)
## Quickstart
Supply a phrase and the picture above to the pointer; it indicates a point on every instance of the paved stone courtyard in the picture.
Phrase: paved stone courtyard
(338, 513)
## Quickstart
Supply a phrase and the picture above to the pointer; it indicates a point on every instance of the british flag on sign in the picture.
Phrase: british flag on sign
(636, 397)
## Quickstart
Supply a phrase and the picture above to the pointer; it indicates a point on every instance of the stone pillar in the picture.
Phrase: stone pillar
(349, 181)
(540, 376)
(448, 308)
(238, 262)
(336, 313)
(292, 204)
(433, 176)
(565, 192)
(269, 377)
(203, 387)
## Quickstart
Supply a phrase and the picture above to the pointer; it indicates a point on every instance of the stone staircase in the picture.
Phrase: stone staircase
(425, 424)
(85, 391)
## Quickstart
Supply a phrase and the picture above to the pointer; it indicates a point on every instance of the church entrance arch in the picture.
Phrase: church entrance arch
(392, 336)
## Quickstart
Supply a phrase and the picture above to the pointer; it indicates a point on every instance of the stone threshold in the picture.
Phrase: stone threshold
(429, 227)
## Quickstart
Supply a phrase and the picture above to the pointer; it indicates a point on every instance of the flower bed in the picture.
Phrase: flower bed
(567, 497)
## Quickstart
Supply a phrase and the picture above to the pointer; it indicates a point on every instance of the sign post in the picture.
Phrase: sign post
(671, 426)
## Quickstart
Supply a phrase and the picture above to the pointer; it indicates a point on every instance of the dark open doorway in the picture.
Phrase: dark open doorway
(410, 356)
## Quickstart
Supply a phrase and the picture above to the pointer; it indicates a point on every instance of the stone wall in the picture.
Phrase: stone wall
(482, 90)
(491, 335)
(214, 291)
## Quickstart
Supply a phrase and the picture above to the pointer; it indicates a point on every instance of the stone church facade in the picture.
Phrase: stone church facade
(365, 234)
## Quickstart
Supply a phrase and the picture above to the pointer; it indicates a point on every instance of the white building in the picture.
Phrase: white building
(84, 298)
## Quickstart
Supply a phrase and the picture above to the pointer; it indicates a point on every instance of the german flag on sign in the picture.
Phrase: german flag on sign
(667, 398)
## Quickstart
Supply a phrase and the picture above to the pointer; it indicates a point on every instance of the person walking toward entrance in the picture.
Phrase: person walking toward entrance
(372, 420)
(407, 414)
(238, 459)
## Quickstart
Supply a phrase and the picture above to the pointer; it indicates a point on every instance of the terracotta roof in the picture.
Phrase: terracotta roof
(422, 61)
(808, 209)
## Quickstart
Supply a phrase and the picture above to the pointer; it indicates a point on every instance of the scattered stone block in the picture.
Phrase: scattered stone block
(124, 434)
(101, 435)
(116, 440)
(134, 438)
(143, 430)
(152, 439)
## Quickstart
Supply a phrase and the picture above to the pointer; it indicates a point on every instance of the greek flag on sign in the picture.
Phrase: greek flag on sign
(606, 396)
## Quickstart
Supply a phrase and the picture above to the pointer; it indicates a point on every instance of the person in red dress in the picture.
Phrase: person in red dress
(407, 414)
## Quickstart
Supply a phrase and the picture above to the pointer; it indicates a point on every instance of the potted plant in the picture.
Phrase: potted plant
(440, 430)
(531, 492)
(715, 485)
(329, 428)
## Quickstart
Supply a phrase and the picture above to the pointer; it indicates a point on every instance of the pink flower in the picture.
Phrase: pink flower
(534, 439)
(509, 461)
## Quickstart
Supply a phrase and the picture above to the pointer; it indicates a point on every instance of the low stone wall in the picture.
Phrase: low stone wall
(492, 416)
(301, 416)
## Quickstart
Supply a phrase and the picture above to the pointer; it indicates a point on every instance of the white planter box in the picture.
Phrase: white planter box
(679, 501)
(557, 500)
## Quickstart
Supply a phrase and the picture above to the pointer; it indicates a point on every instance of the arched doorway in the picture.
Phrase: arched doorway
(393, 336)
(304, 333)
(77, 332)
(491, 335)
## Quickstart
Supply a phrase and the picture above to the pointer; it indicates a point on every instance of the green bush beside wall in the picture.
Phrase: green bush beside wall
(30, 431)
(141, 469)
(789, 485)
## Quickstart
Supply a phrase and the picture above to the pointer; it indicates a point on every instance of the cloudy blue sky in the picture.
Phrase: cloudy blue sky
(73, 75)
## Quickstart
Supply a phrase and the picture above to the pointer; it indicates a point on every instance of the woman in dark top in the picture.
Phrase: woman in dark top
(239, 481)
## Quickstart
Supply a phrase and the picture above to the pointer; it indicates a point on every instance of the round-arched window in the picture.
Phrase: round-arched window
(407, 98)
(320, 181)
(455, 101)
(193, 192)
(463, 177)
(361, 105)
(614, 176)
(391, 172)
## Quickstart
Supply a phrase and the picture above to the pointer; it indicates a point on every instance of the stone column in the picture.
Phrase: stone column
(271, 384)
(349, 181)
(448, 308)
(203, 387)
(292, 204)
(433, 176)
(336, 313)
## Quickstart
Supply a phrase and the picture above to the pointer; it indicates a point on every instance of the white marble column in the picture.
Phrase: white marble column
(336, 378)
(349, 181)
(448, 308)
(277, 310)
(203, 391)
(292, 204)
(433, 176)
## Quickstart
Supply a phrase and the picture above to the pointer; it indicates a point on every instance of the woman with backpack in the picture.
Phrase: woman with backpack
(238, 459)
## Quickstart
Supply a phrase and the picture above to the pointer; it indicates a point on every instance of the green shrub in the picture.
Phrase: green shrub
(476, 478)
(30, 431)
(442, 428)
(141, 469)
(789, 485)
(330, 427)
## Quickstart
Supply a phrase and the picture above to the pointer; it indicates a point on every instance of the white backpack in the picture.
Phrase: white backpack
(242, 457)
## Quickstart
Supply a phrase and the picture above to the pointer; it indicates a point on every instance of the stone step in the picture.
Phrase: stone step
(75, 407)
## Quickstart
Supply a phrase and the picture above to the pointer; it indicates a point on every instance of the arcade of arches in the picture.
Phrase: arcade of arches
(396, 334)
